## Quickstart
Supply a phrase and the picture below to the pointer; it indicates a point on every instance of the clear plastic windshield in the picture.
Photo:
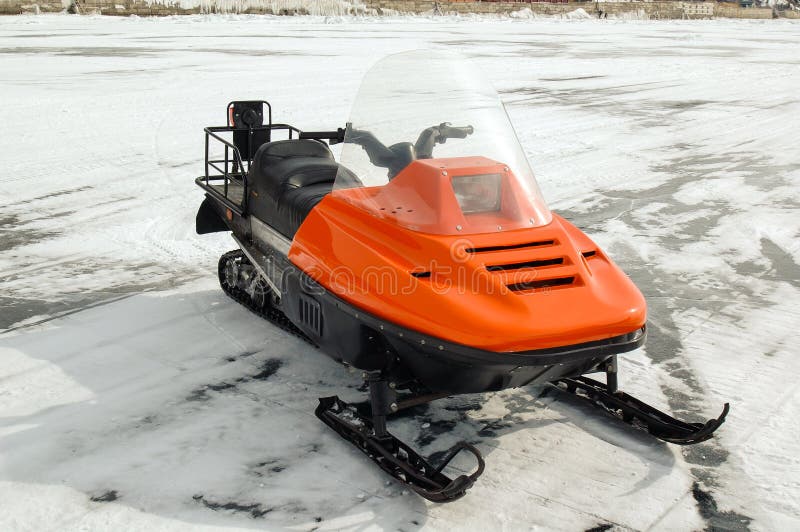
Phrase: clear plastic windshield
(430, 147)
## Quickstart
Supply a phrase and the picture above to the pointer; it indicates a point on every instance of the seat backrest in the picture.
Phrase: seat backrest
(291, 163)
(284, 149)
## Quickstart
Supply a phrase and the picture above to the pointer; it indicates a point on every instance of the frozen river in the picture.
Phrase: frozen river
(134, 394)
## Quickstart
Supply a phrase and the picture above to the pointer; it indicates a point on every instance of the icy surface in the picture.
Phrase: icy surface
(133, 394)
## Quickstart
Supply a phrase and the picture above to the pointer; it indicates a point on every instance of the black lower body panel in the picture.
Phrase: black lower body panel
(369, 343)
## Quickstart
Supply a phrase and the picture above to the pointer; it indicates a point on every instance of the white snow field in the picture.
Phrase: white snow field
(135, 395)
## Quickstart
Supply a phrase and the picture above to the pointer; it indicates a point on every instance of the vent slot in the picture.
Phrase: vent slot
(421, 275)
(588, 254)
(513, 246)
(521, 265)
(541, 283)
(311, 314)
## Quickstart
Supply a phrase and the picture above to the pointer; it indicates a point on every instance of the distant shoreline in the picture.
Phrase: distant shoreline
(637, 10)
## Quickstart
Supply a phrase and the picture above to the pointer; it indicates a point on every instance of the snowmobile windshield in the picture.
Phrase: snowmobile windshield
(429, 146)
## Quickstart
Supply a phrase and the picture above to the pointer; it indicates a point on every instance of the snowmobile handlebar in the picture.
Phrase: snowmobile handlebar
(398, 156)
(434, 135)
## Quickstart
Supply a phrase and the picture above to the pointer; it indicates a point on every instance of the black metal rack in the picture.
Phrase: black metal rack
(226, 177)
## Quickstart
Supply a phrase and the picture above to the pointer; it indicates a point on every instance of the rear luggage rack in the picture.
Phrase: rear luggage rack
(249, 126)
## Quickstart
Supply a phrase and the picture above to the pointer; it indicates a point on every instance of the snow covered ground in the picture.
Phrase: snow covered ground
(133, 394)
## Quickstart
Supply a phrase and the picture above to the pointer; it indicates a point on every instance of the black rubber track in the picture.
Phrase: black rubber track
(268, 312)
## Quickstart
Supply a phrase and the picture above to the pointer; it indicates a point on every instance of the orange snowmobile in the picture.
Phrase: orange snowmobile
(434, 273)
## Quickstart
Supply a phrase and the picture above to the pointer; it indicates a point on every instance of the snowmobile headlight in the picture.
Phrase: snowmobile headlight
(477, 193)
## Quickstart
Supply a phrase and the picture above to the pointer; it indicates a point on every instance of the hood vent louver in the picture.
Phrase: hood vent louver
(511, 246)
(541, 283)
(521, 265)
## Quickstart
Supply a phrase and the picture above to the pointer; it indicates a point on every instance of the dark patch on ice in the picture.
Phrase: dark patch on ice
(705, 454)
(490, 429)
(268, 466)
(22, 309)
(55, 194)
(198, 394)
(14, 233)
(318, 519)
(146, 420)
(716, 519)
(10, 219)
(201, 393)
(98, 51)
(465, 406)
(600, 528)
(684, 104)
(604, 99)
(784, 268)
(16, 310)
(313, 447)
(106, 496)
(750, 268)
(430, 428)
(255, 510)
(268, 368)
(257, 53)
(64, 34)
(574, 78)
(707, 477)
(436, 457)
(412, 412)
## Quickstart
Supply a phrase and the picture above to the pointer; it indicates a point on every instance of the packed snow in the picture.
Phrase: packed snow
(134, 394)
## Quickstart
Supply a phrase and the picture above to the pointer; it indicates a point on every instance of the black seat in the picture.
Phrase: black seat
(287, 179)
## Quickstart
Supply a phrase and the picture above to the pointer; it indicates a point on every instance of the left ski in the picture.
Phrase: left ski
(631, 410)
(397, 458)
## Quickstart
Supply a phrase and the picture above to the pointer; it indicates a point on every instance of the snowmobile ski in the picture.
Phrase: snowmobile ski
(641, 415)
(397, 458)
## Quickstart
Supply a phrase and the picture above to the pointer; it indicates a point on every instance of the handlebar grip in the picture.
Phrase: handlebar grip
(455, 132)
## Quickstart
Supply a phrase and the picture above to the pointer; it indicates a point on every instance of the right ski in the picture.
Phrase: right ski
(639, 414)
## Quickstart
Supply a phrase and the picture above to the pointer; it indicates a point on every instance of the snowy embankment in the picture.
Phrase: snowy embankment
(166, 406)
